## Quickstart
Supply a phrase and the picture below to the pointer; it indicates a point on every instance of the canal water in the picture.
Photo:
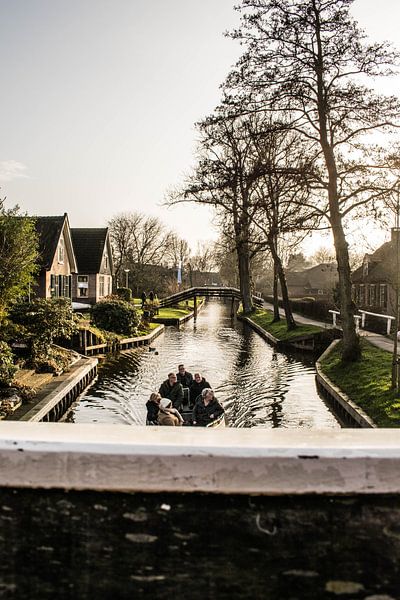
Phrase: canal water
(258, 386)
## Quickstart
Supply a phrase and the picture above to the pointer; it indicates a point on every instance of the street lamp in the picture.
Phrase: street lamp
(126, 277)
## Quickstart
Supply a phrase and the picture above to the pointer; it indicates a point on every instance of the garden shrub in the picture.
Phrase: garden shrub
(114, 314)
(7, 367)
(45, 320)
(125, 294)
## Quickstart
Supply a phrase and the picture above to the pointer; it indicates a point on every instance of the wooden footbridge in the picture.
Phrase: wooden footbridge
(207, 292)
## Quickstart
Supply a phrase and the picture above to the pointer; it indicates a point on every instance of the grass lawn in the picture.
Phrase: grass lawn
(264, 318)
(367, 382)
(171, 313)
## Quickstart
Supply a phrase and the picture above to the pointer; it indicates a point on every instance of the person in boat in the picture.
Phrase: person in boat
(198, 385)
(184, 377)
(206, 409)
(153, 408)
(173, 390)
(168, 415)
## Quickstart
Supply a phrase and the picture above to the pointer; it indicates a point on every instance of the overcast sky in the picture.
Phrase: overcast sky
(100, 97)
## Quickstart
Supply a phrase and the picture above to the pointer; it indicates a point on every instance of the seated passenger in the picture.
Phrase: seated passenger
(153, 407)
(206, 409)
(173, 390)
(198, 385)
(168, 415)
(184, 377)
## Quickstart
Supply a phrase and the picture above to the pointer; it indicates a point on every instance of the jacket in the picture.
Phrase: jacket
(165, 417)
(152, 411)
(203, 415)
(197, 388)
(174, 393)
(186, 380)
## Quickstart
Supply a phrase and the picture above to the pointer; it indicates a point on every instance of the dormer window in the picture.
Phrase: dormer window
(60, 252)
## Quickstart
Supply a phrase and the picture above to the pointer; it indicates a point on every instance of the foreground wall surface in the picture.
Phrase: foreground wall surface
(92, 545)
(93, 512)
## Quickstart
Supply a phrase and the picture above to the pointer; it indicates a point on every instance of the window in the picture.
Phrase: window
(101, 285)
(372, 295)
(365, 268)
(83, 286)
(383, 295)
(320, 292)
(362, 295)
(105, 261)
(60, 251)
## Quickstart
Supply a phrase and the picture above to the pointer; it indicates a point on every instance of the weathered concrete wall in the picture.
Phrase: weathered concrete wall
(92, 512)
(92, 545)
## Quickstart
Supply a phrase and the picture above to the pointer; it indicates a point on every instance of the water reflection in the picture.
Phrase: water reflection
(258, 386)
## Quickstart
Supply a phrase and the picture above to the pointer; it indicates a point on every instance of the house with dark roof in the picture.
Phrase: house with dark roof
(317, 282)
(373, 284)
(94, 276)
(57, 259)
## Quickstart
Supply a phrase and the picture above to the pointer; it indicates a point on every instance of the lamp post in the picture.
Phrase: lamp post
(126, 277)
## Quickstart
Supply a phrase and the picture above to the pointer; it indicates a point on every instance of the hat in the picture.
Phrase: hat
(165, 402)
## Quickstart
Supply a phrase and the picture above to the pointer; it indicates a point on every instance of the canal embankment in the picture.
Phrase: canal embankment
(360, 393)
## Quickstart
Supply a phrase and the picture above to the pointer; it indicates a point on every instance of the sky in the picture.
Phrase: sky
(100, 98)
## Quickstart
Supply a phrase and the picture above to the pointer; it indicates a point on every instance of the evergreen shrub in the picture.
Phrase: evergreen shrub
(125, 294)
(114, 314)
(7, 367)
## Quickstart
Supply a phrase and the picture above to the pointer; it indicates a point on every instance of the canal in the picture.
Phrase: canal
(258, 386)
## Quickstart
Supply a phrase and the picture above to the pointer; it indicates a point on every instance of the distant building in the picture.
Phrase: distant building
(95, 272)
(56, 257)
(373, 284)
(317, 282)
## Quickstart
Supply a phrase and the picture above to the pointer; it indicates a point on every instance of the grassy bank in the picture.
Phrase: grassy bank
(367, 382)
(264, 318)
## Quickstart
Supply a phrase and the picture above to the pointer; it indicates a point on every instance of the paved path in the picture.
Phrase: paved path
(377, 340)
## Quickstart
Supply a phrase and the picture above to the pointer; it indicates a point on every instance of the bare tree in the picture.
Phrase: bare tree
(309, 60)
(138, 241)
(224, 177)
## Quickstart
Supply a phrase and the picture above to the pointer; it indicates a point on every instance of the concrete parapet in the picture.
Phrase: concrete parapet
(92, 511)
(230, 461)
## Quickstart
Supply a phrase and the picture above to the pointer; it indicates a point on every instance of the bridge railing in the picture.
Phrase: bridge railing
(207, 291)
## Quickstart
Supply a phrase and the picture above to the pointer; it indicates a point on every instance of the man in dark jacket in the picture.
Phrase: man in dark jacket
(198, 385)
(173, 390)
(184, 377)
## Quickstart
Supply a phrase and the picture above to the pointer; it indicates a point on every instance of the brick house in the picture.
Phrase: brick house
(373, 283)
(317, 282)
(95, 272)
(57, 259)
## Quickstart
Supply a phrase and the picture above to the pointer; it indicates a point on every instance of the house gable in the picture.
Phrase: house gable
(93, 250)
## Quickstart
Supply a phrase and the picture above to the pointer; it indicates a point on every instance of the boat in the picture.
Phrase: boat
(187, 410)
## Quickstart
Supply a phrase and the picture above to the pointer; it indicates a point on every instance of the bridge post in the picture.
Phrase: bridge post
(195, 306)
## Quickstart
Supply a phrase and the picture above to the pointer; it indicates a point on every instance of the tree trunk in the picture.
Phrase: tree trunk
(282, 280)
(245, 278)
(275, 296)
(351, 345)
